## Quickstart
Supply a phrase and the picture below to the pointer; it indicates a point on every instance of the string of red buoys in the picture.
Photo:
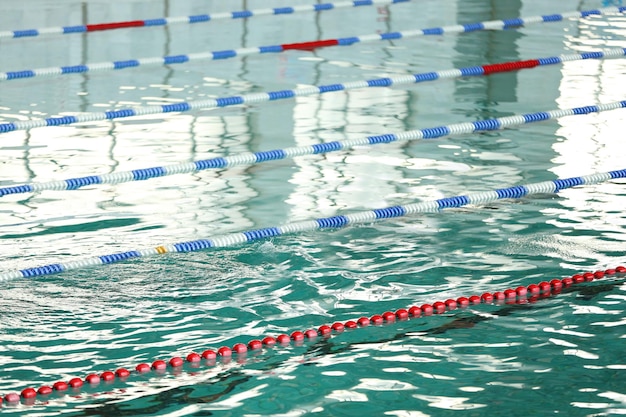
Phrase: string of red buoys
(521, 294)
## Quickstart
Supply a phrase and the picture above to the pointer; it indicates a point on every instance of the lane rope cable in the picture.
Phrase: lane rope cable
(199, 18)
(210, 357)
(254, 98)
(334, 222)
(251, 158)
(307, 46)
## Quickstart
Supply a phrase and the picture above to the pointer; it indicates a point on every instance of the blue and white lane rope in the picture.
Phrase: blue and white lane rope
(338, 221)
(255, 98)
(231, 53)
(200, 18)
(251, 158)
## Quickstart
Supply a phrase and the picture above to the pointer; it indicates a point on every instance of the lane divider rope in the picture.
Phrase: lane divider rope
(251, 158)
(209, 357)
(254, 98)
(200, 18)
(333, 222)
(307, 46)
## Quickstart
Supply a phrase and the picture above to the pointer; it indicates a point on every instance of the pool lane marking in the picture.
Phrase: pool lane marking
(210, 357)
(193, 19)
(307, 46)
(334, 222)
(251, 158)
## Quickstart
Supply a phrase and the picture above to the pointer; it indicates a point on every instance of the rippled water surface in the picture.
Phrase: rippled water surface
(559, 355)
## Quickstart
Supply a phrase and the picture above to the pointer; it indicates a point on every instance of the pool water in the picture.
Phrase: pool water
(560, 355)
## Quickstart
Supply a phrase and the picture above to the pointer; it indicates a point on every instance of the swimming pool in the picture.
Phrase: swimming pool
(514, 359)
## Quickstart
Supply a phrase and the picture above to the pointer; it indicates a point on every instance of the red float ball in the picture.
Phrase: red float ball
(510, 293)
(193, 357)
(363, 322)
(620, 269)
(598, 274)
(402, 314)
(389, 317)
(544, 286)
(487, 298)
(567, 282)
(578, 279)
(283, 339)
(225, 352)
(209, 355)
(610, 272)
(498, 296)
(450, 304)
(176, 362)
(463, 302)
(427, 309)
(107, 376)
(556, 284)
(475, 299)
(325, 330)
(268, 341)
(533, 289)
(588, 276)
(439, 307)
(12, 397)
(415, 311)
(255, 344)
(142, 368)
(75, 383)
(122, 373)
(92, 379)
(521, 291)
(376, 320)
(310, 334)
(350, 324)
(240, 348)
(44, 390)
(338, 327)
(297, 336)
(28, 393)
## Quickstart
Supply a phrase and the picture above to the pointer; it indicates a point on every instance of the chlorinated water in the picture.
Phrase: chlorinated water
(559, 355)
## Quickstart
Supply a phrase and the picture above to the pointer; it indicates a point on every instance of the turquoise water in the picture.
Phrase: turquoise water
(563, 355)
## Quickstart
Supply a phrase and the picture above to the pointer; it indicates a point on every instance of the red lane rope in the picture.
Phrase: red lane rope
(115, 25)
(521, 294)
(311, 45)
(510, 66)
